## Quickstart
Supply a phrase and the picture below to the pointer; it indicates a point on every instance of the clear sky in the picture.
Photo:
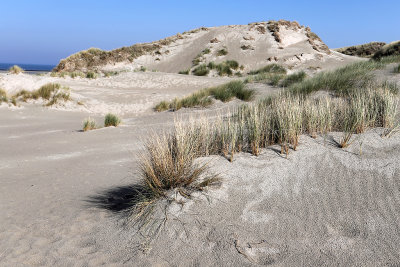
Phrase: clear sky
(44, 31)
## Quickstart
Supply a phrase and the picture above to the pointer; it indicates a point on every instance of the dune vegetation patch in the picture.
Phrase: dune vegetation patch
(199, 58)
(364, 50)
(342, 80)
(185, 72)
(53, 93)
(391, 49)
(271, 68)
(168, 165)
(89, 124)
(204, 98)
(293, 78)
(222, 52)
(111, 120)
(3, 96)
(201, 70)
(15, 69)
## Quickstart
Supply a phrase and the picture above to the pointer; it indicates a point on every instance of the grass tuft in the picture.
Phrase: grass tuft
(222, 52)
(186, 72)
(111, 120)
(91, 75)
(201, 70)
(3, 96)
(15, 69)
(89, 124)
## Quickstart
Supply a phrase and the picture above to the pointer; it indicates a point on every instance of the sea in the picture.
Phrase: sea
(27, 67)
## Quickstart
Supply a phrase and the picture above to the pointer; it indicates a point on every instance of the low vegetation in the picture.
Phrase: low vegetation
(53, 93)
(205, 97)
(201, 70)
(342, 80)
(185, 72)
(199, 58)
(111, 120)
(3, 96)
(15, 69)
(168, 166)
(392, 49)
(91, 75)
(364, 50)
(89, 124)
(271, 74)
(222, 52)
(293, 78)
(271, 68)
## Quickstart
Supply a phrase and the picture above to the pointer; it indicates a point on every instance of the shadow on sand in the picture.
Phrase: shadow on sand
(120, 200)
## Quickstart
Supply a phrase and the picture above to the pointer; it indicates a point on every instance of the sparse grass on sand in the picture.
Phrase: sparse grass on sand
(201, 70)
(271, 68)
(91, 75)
(15, 69)
(3, 96)
(111, 120)
(203, 98)
(185, 72)
(272, 74)
(224, 68)
(342, 80)
(222, 52)
(89, 124)
(52, 92)
(168, 165)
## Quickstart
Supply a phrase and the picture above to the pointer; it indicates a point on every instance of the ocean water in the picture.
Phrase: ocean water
(27, 67)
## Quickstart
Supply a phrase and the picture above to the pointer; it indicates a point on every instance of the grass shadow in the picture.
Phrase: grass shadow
(119, 200)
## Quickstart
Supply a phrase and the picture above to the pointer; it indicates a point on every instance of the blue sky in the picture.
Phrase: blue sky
(45, 31)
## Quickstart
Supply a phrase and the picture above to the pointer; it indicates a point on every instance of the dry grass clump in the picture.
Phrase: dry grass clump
(52, 92)
(3, 96)
(168, 164)
(15, 69)
(203, 98)
(89, 124)
(111, 120)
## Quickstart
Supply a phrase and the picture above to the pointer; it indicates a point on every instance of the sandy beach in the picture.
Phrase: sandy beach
(67, 196)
